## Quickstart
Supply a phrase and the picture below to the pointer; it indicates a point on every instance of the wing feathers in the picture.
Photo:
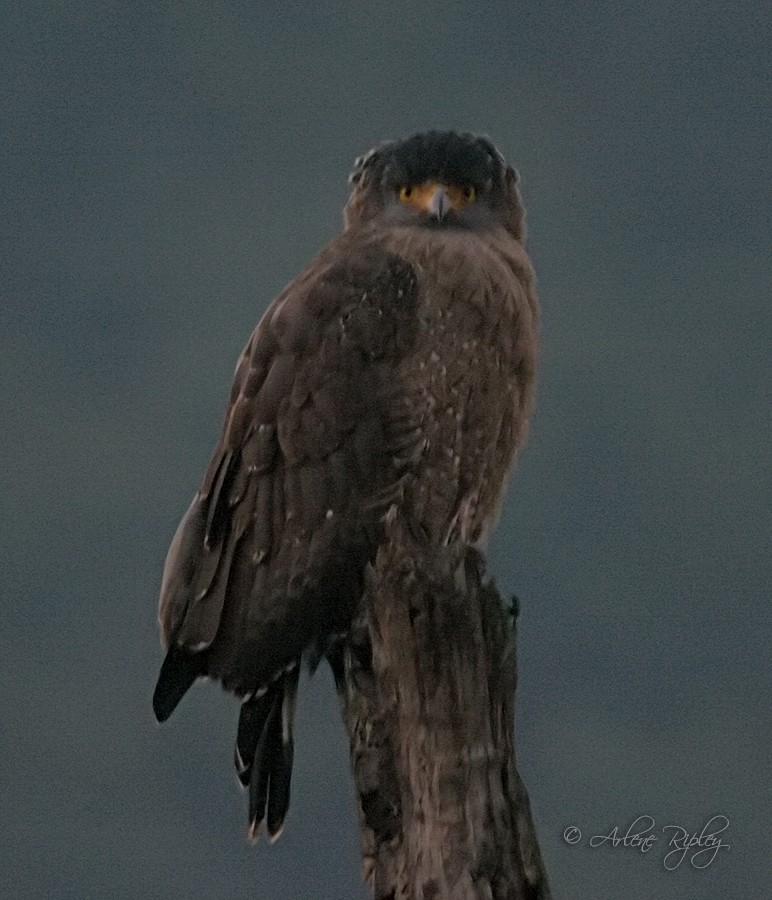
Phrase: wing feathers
(279, 519)
(178, 672)
(263, 519)
(202, 618)
(259, 452)
(217, 504)
(186, 568)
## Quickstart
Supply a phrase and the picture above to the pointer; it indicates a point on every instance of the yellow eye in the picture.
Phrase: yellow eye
(469, 194)
(405, 193)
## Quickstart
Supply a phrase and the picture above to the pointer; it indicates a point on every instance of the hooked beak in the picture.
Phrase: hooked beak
(439, 203)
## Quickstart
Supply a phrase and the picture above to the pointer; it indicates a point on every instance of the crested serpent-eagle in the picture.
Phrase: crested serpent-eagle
(397, 369)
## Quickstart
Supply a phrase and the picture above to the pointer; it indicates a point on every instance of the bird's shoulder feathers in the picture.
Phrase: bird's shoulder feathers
(267, 543)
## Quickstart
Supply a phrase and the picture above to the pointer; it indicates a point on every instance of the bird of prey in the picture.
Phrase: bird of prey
(397, 369)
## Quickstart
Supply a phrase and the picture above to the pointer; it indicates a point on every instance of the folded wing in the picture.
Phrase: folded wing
(270, 554)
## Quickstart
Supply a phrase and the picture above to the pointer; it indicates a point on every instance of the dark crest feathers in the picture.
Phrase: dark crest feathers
(460, 157)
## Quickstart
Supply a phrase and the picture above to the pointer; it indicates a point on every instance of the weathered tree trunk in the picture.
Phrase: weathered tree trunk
(427, 683)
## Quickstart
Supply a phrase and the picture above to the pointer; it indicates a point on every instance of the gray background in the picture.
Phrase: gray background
(166, 169)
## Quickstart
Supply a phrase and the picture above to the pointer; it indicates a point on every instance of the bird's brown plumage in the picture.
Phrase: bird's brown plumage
(398, 368)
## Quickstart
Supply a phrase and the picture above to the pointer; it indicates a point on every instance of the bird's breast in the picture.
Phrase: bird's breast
(468, 380)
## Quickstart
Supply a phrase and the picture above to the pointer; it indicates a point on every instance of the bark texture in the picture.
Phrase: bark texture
(427, 681)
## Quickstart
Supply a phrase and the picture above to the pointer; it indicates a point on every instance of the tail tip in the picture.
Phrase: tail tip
(275, 831)
(253, 833)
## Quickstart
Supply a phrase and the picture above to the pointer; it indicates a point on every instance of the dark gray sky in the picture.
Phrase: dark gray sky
(166, 168)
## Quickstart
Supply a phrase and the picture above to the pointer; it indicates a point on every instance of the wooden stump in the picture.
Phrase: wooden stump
(427, 682)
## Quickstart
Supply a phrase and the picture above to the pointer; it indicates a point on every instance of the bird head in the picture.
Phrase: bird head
(438, 179)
